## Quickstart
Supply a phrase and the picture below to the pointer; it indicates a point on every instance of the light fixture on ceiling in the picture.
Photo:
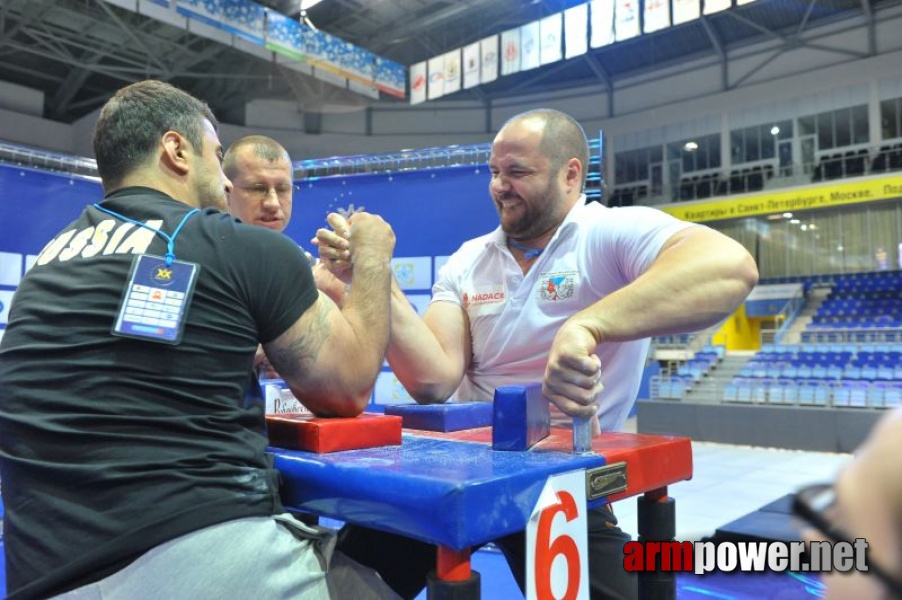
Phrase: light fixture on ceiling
(690, 146)
(774, 130)
(305, 5)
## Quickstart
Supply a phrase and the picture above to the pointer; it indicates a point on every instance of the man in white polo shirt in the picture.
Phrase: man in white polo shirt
(562, 292)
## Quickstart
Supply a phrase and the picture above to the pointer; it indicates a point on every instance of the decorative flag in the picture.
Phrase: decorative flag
(626, 19)
(488, 49)
(715, 6)
(510, 51)
(418, 80)
(550, 29)
(452, 71)
(602, 16)
(576, 30)
(657, 15)
(529, 46)
(436, 68)
(685, 11)
(471, 65)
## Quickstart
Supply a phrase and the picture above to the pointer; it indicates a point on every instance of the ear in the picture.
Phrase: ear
(574, 173)
(176, 151)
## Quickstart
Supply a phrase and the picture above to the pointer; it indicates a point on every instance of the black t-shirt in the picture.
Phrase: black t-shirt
(110, 445)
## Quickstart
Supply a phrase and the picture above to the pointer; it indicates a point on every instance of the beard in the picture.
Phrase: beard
(535, 218)
(211, 194)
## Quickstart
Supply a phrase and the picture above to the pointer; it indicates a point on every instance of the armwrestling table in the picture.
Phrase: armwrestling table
(455, 491)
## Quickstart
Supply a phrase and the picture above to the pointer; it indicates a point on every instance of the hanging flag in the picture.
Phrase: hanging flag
(435, 66)
(529, 46)
(657, 15)
(471, 65)
(510, 51)
(550, 29)
(452, 71)
(626, 19)
(685, 11)
(418, 80)
(715, 6)
(602, 19)
(488, 49)
(576, 30)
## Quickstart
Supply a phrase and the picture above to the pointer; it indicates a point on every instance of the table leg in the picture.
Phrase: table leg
(657, 523)
(453, 579)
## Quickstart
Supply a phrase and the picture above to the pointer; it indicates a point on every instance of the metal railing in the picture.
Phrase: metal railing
(25, 156)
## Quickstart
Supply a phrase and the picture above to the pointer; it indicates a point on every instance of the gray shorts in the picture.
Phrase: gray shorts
(260, 558)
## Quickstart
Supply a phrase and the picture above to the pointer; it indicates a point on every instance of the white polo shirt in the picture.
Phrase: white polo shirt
(514, 317)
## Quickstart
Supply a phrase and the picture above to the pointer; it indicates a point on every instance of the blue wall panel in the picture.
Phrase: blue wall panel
(432, 212)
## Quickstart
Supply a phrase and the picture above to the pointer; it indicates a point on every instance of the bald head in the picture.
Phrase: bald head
(562, 137)
(259, 146)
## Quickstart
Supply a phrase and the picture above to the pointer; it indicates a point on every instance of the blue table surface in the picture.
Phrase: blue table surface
(448, 492)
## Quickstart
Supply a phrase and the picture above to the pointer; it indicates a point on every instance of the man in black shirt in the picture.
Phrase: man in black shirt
(132, 452)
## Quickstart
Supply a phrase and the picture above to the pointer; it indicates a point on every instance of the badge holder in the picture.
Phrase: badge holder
(156, 299)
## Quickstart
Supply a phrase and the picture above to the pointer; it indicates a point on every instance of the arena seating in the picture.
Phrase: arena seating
(675, 386)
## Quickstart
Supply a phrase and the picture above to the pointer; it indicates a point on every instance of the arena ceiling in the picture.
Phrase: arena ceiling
(79, 51)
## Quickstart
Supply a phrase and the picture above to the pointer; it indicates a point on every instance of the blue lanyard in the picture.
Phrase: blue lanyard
(528, 251)
(170, 240)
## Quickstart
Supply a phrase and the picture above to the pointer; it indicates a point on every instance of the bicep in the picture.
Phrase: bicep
(309, 353)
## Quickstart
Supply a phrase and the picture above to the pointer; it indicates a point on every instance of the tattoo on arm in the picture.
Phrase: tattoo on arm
(311, 332)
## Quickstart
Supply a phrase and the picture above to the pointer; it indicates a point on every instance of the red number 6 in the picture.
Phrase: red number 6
(564, 545)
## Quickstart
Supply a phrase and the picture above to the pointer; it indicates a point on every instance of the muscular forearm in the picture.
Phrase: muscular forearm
(429, 371)
(697, 281)
(365, 308)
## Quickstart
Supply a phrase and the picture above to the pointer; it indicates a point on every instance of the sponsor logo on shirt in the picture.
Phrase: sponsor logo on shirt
(554, 287)
(483, 296)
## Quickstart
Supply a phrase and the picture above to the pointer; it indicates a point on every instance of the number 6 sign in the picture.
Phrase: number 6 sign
(557, 566)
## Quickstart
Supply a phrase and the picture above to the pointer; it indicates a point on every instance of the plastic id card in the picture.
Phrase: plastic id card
(156, 299)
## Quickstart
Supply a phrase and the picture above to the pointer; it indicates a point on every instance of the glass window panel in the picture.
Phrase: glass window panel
(688, 161)
(656, 154)
(752, 145)
(889, 122)
(713, 145)
(825, 131)
(737, 149)
(860, 133)
(642, 165)
(843, 123)
(807, 126)
(768, 141)
(785, 130)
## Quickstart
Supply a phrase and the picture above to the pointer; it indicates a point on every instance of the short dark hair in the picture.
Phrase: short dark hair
(264, 147)
(562, 138)
(133, 120)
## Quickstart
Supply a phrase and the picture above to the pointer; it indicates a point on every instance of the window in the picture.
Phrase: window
(758, 142)
(839, 128)
(698, 153)
(633, 165)
(889, 119)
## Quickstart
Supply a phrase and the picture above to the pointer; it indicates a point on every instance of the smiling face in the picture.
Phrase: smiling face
(531, 194)
(262, 190)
